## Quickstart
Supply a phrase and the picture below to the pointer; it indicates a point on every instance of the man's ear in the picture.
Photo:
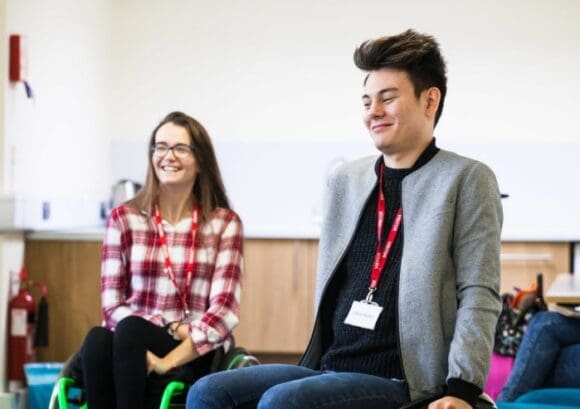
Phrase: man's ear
(432, 100)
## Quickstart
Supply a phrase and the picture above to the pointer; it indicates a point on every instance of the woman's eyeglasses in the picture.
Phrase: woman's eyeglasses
(180, 150)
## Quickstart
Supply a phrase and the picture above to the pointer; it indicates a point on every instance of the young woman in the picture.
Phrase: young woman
(549, 356)
(171, 274)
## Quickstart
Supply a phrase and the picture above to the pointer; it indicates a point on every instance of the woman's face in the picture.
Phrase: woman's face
(173, 161)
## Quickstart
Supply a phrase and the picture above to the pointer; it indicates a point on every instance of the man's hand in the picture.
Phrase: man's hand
(450, 402)
(156, 364)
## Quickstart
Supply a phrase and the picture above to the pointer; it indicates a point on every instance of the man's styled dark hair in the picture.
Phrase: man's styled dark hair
(416, 54)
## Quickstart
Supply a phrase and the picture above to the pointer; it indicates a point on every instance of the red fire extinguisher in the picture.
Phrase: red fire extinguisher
(23, 336)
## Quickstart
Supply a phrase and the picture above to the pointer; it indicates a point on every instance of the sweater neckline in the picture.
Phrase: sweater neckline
(391, 173)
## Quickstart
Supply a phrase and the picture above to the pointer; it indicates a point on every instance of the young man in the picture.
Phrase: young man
(408, 274)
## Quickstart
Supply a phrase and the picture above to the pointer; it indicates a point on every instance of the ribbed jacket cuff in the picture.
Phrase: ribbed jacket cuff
(461, 389)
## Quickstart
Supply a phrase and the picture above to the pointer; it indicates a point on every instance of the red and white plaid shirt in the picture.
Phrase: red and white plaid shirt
(134, 282)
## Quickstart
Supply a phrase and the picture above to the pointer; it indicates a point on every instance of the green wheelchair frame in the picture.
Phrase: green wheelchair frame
(235, 358)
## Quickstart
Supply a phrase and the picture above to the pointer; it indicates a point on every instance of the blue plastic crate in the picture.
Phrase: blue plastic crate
(41, 377)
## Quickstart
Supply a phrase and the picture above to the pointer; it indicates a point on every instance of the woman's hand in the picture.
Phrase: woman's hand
(180, 330)
(180, 355)
(450, 402)
(158, 365)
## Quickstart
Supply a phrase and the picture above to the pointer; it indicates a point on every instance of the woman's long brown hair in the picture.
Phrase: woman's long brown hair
(208, 190)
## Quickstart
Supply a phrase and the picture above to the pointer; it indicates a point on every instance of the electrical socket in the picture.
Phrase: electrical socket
(45, 210)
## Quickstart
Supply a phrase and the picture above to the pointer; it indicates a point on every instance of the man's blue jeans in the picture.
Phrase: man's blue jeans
(548, 356)
(290, 386)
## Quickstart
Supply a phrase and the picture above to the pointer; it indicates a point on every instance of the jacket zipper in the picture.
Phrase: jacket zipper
(398, 301)
(322, 294)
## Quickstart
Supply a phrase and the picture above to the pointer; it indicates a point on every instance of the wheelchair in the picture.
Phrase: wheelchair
(66, 393)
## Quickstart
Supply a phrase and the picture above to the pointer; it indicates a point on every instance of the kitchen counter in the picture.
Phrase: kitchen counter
(97, 233)
(308, 232)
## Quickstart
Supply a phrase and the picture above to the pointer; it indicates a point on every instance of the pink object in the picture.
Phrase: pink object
(499, 371)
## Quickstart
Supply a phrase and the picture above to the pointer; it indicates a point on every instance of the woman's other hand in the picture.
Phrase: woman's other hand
(155, 364)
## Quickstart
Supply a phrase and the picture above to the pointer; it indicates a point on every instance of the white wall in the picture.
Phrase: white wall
(57, 144)
(260, 69)
(3, 81)
(264, 69)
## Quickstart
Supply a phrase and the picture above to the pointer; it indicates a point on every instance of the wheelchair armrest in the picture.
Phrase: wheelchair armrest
(60, 395)
(172, 389)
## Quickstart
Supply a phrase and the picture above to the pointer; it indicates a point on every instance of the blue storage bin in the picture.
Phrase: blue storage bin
(41, 377)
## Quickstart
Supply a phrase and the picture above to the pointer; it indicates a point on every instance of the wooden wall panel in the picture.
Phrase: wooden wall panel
(277, 296)
(522, 261)
(71, 271)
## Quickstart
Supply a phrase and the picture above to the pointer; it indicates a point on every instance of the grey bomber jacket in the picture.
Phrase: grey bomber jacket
(449, 280)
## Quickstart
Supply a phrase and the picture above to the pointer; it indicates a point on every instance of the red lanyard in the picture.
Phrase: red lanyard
(381, 254)
(190, 261)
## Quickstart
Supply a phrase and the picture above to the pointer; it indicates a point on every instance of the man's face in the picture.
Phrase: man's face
(396, 119)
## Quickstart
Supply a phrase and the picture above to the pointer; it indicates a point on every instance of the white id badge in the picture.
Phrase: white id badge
(363, 314)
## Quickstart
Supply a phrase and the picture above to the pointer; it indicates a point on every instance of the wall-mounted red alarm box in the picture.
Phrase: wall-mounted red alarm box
(17, 70)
